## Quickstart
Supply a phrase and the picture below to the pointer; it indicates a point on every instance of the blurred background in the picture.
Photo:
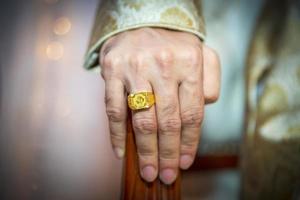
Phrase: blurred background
(54, 141)
(54, 136)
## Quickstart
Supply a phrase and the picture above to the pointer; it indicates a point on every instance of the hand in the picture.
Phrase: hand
(183, 74)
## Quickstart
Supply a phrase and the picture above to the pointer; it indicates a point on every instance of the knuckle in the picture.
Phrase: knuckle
(189, 143)
(107, 60)
(193, 80)
(116, 137)
(111, 60)
(170, 107)
(115, 114)
(195, 55)
(116, 61)
(170, 126)
(138, 60)
(168, 153)
(145, 125)
(145, 150)
(192, 55)
(192, 117)
(165, 57)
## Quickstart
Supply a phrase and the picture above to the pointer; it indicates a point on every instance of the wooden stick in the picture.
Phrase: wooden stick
(134, 187)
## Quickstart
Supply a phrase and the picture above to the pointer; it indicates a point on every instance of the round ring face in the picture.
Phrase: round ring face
(139, 101)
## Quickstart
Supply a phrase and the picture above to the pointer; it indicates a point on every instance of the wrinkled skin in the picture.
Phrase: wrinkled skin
(183, 73)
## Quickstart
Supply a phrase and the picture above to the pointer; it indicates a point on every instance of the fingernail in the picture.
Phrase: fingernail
(119, 152)
(185, 161)
(168, 176)
(148, 173)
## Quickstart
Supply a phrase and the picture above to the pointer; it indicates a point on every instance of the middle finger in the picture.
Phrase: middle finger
(169, 127)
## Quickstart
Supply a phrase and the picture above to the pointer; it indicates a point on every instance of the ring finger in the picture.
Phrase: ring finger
(145, 129)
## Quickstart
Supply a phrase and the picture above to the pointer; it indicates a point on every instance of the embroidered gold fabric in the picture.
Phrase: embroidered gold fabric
(271, 150)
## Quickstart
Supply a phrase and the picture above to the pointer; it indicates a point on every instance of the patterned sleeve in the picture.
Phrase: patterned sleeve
(115, 16)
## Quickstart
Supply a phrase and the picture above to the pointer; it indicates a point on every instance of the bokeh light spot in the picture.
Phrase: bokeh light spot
(62, 26)
(55, 51)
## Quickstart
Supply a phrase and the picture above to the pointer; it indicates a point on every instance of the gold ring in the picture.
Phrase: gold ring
(140, 100)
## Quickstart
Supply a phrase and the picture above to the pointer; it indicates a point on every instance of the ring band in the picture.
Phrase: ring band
(140, 100)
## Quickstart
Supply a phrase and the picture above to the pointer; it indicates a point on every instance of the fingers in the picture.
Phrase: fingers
(116, 109)
(169, 125)
(191, 110)
(211, 75)
(161, 60)
(145, 129)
